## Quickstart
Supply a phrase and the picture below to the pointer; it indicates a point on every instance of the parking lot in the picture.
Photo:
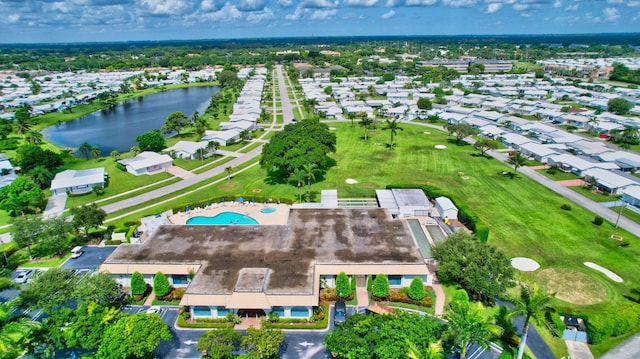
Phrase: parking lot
(90, 259)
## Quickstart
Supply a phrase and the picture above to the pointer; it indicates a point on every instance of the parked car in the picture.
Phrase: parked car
(35, 274)
(154, 310)
(76, 252)
(23, 276)
(340, 313)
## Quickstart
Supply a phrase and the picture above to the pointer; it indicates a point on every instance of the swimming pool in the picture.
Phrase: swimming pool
(222, 219)
(267, 210)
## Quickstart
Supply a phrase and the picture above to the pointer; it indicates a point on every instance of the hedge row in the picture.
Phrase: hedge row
(465, 215)
(612, 322)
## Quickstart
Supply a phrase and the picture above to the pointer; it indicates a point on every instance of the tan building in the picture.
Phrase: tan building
(259, 269)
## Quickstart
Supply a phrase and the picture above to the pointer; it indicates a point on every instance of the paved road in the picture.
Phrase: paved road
(629, 349)
(287, 108)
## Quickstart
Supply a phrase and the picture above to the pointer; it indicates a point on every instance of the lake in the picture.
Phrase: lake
(117, 127)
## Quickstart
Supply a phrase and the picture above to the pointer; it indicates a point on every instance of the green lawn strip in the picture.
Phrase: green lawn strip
(182, 323)
(600, 349)
(250, 147)
(556, 344)
(594, 196)
(165, 302)
(418, 308)
(53, 263)
(220, 161)
(296, 113)
(279, 118)
(191, 164)
(559, 175)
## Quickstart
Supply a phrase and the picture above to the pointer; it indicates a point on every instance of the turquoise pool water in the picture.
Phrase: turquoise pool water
(267, 210)
(222, 219)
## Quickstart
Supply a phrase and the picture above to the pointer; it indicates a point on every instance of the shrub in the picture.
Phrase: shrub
(174, 294)
(605, 324)
(110, 242)
(161, 285)
(369, 283)
(566, 207)
(598, 221)
(343, 288)
(381, 286)
(138, 285)
(352, 281)
(416, 290)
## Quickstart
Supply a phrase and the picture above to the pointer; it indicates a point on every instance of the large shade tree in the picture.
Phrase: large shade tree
(134, 336)
(481, 269)
(88, 217)
(299, 144)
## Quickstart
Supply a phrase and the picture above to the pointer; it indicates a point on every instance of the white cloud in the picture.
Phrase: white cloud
(297, 14)
(319, 4)
(459, 3)
(520, 7)
(13, 18)
(251, 5)
(256, 17)
(633, 4)
(493, 7)
(557, 4)
(228, 13)
(285, 3)
(573, 7)
(323, 14)
(611, 14)
(211, 5)
(165, 7)
(420, 2)
(615, 1)
(394, 3)
(360, 3)
(388, 15)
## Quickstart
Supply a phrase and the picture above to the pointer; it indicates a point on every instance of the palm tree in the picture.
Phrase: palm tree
(41, 176)
(593, 124)
(15, 329)
(33, 137)
(467, 325)
(434, 351)
(135, 150)
(201, 152)
(212, 146)
(95, 151)
(393, 126)
(23, 125)
(115, 155)
(517, 160)
(229, 170)
(298, 177)
(366, 123)
(85, 149)
(67, 153)
(309, 169)
(532, 303)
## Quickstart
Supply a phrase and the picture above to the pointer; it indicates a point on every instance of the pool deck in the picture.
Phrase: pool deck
(279, 217)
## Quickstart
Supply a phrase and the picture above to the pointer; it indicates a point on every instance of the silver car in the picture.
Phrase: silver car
(23, 276)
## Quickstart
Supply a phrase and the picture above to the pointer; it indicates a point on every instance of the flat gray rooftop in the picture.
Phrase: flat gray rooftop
(312, 236)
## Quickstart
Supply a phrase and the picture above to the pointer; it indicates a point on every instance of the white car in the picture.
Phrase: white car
(76, 252)
(23, 276)
(154, 310)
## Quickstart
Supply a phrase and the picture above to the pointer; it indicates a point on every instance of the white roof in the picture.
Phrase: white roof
(445, 203)
(538, 149)
(146, 159)
(609, 179)
(632, 191)
(73, 178)
(516, 138)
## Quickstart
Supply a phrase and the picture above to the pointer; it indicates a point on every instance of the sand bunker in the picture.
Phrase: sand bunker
(440, 147)
(614, 277)
(524, 264)
(351, 181)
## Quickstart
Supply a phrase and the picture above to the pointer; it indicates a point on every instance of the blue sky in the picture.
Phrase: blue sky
(120, 20)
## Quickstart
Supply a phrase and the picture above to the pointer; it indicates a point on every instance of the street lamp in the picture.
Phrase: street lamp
(624, 204)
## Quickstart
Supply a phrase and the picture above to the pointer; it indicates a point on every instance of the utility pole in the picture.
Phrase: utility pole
(619, 213)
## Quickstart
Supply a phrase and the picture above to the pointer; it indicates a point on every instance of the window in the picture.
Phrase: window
(300, 312)
(180, 279)
(395, 280)
(278, 310)
(201, 311)
(222, 311)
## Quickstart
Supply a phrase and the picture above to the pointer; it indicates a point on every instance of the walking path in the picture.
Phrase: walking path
(578, 350)
(440, 297)
(179, 172)
(363, 296)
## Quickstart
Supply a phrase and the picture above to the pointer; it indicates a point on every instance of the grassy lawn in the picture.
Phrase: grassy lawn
(594, 196)
(559, 175)
(632, 215)
(51, 263)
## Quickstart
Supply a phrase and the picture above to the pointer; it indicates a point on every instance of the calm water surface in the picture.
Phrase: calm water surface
(117, 127)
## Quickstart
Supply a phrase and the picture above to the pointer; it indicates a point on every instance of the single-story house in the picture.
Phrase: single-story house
(78, 181)
(631, 195)
(515, 140)
(222, 137)
(147, 162)
(243, 125)
(404, 202)
(589, 148)
(537, 151)
(7, 171)
(188, 149)
(613, 182)
(445, 208)
(578, 164)
(492, 131)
